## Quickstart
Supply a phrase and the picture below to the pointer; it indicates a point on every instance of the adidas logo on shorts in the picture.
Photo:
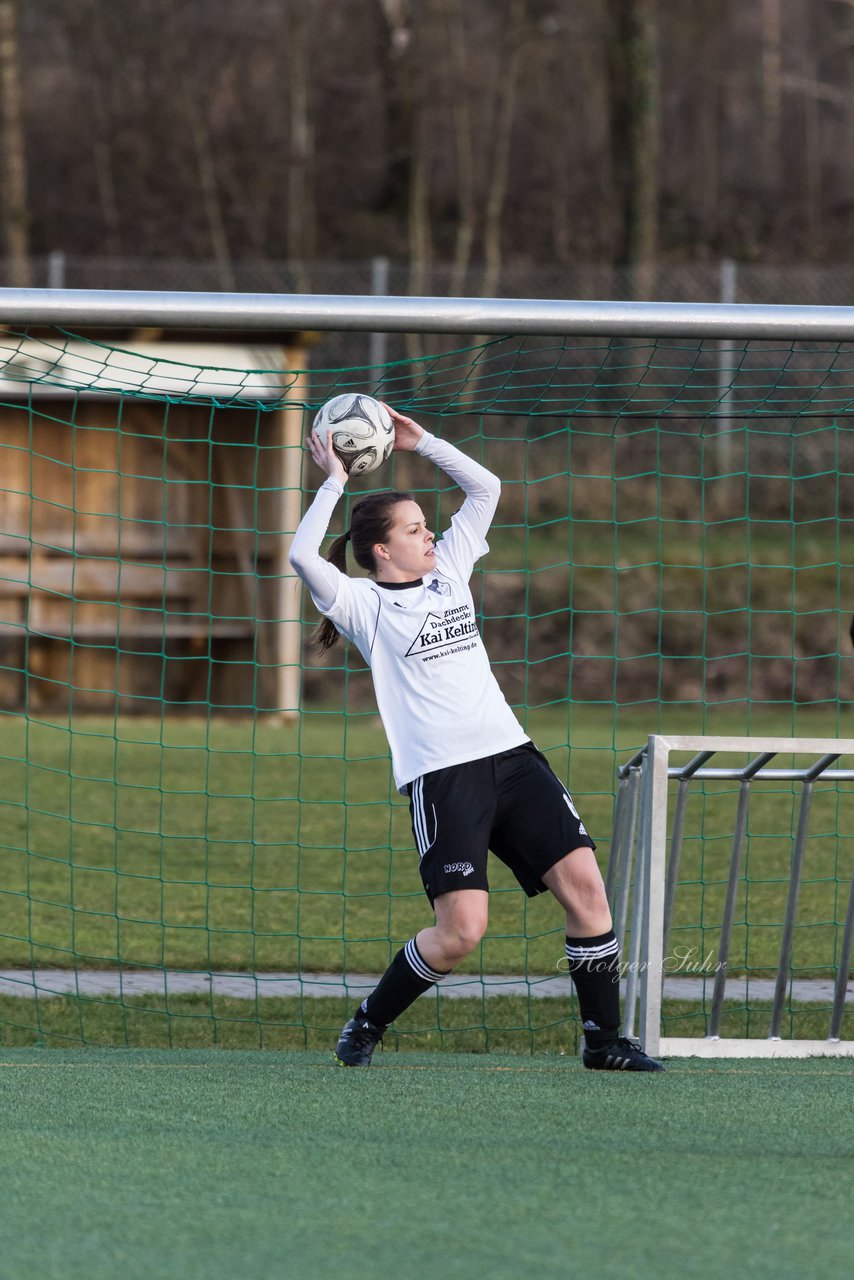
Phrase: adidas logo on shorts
(465, 867)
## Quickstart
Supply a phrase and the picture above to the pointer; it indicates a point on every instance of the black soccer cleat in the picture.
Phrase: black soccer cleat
(620, 1055)
(357, 1042)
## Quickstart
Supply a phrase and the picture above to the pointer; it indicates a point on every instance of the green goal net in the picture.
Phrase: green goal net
(201, 840)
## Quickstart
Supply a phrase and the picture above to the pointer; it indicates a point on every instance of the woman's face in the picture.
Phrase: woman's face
(407, 551)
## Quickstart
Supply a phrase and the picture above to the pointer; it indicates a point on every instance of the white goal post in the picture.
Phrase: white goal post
(642, 880)
(246, 312)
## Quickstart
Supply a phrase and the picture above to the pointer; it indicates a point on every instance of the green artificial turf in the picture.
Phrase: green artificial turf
(218, 1165)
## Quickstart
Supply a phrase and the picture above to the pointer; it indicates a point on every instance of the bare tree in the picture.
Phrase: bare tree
(209, 189)
(84, 22)
(772, 96)
(413, 137)
(813, 94)
(195, 78)
(13, 162)
(458, 62)
(707, 157)
(636, 133)
(842, 13)
(507, 83)
(301, 219)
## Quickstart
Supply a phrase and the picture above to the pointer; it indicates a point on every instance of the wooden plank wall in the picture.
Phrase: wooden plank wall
(137, 547)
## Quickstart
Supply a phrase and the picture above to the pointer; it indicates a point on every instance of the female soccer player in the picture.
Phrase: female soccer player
(474, 779)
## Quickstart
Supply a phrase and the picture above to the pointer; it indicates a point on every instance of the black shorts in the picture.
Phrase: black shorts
(511, 803)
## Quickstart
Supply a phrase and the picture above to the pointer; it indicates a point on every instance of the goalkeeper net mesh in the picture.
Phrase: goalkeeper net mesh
(201, 840)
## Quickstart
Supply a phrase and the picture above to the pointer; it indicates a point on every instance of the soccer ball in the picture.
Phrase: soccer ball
(362, 431)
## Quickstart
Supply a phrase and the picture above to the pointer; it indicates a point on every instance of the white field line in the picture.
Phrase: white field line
(118, 984)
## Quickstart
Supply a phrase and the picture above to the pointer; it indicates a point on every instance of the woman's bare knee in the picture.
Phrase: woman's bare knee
(461, 920)
(462, 929)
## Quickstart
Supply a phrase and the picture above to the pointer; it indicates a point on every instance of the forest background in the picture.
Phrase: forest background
(482, 135)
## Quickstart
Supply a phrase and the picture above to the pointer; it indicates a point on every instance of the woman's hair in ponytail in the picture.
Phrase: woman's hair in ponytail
(370, 521)
(327, 633)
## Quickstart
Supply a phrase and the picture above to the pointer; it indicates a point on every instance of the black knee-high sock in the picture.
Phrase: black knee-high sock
(594, 965)
(407, 977)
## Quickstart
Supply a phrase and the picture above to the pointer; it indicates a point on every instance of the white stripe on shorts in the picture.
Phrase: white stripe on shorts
(419, 818)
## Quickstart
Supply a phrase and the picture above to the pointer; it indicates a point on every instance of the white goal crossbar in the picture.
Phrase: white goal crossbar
(640, 869)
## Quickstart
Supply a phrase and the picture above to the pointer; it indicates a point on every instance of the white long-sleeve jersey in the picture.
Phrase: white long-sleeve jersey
(438, 699)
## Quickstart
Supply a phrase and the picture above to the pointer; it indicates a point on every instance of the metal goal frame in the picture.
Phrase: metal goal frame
(103, 308)
(643, 873)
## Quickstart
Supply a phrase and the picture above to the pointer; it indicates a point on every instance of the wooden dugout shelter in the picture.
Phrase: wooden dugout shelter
(144, 537)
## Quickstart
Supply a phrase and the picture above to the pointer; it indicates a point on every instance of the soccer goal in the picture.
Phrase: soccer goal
(789, 842)
(201, 840)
